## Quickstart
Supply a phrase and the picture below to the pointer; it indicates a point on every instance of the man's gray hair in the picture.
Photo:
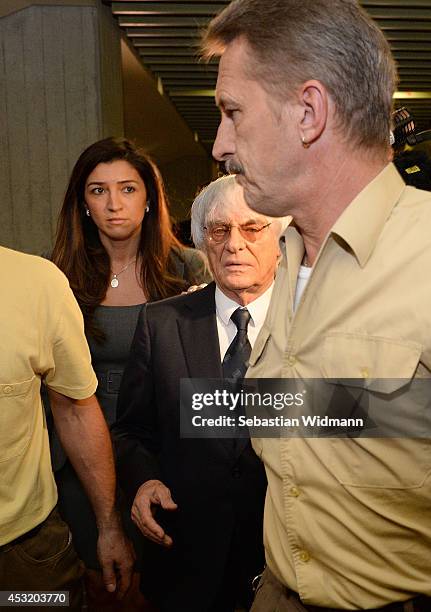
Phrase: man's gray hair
(217, 194)
(332, 41)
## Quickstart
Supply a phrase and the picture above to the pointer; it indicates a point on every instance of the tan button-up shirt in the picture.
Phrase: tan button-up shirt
(348, 521)
(42, 337)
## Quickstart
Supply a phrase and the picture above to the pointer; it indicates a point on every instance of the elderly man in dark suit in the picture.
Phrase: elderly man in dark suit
(208, 493)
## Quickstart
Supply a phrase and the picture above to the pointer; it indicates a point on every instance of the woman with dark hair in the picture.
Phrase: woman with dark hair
(115, 244)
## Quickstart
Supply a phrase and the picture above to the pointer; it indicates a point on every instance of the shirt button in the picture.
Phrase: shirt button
(365, 373)
(304, 556)
(291, 360)
(294, 491)
(8, 389)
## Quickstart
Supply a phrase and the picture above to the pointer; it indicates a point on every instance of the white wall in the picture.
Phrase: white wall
(60, 90)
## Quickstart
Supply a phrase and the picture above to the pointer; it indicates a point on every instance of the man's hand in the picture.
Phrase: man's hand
(194, 288)
(152, 493)
(116, 558)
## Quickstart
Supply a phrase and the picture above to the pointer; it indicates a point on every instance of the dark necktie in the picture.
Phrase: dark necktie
(235, 362)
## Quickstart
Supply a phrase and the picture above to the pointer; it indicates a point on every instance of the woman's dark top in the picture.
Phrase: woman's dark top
(109, 358)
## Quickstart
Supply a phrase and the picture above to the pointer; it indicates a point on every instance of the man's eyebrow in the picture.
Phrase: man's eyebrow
(251, 221)
(222, 101)
(219, 101)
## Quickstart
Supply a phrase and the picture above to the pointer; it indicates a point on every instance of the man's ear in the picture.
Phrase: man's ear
(314, 104)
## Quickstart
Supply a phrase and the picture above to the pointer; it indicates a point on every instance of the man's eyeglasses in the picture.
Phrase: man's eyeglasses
(220, 233)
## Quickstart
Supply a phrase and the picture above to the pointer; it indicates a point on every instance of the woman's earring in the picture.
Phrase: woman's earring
(147, 208)
(87, 212)
(305, 144)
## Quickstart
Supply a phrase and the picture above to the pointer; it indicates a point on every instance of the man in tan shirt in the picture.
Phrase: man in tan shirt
(42, 335)
(305, 91)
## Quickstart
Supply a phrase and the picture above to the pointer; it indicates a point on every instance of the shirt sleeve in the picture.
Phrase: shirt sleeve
(67, 356)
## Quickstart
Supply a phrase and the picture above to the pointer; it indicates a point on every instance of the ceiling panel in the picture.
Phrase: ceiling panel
(166, 36)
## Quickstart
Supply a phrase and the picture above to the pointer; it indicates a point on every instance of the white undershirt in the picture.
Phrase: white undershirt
(227, 329)
(301, 282)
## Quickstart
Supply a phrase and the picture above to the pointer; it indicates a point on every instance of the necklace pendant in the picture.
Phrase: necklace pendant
(114, 281)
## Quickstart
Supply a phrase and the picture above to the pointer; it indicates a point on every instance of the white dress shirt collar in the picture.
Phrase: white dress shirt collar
(225, 307)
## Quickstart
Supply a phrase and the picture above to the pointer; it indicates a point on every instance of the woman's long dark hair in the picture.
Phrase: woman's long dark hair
(78, 251)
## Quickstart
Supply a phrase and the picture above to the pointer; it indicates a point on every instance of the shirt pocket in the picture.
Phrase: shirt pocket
(16, 417)
(376, 359)
(383, 366)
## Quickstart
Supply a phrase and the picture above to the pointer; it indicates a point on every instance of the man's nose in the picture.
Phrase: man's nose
(224, 144)
(235, 242)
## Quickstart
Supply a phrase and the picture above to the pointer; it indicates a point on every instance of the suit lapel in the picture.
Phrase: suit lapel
(199, 338)
(198, 334)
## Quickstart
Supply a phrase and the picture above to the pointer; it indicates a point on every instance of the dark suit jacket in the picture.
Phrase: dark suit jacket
(220, 493)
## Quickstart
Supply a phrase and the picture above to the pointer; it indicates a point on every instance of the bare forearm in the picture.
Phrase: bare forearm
(85, 437)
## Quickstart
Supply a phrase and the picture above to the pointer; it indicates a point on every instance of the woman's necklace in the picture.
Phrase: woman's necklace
(114, 280)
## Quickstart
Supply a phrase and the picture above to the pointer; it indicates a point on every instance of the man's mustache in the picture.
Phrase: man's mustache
(233, 167)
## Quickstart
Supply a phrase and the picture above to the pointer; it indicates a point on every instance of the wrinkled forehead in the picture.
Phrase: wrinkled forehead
(236, 63)
(232, 208)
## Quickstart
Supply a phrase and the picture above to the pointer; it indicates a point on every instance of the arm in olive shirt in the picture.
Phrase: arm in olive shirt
(85, 437)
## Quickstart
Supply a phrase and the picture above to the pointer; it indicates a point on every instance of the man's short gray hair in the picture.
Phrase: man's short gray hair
(216, 194)
(332, 41)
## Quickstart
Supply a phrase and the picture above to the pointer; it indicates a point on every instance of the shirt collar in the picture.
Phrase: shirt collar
(362, 222)
(225, 306)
